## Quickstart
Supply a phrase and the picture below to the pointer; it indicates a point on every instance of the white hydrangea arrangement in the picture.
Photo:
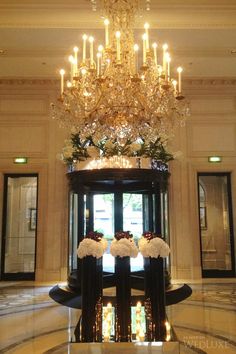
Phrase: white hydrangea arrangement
(123, 245)
(92, 245)
(152, 245)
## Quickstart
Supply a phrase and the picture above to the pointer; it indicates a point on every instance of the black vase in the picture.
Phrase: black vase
(154, 283)
(123, 299)
(91, 291)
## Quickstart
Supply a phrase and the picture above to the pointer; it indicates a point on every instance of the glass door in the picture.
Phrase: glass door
(216, 226)
(19, 227)
(73, 231)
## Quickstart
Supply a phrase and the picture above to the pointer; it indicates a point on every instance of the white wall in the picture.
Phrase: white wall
(26, 129)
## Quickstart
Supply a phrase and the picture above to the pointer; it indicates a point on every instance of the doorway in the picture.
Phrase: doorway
(216, 225)
(19, 228)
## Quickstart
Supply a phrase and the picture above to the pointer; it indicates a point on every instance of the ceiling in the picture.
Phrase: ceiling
(36, 37)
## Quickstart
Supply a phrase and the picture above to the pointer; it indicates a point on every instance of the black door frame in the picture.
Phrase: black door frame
(19, 275)
(216, 273)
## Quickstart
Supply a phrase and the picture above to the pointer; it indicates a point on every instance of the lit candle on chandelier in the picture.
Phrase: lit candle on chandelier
(85, 37)
(118, 46)
(71, 60)
(62, 73)
(136, 48)
(106, 23)
(179, 70)
(164, 47)
(167, 72)
(159, 69)
(144, 49)
(99, 55)
(100, 50)
(154, 46)
(91, 40)
(146, 27)
(76, 49)
(174, 82)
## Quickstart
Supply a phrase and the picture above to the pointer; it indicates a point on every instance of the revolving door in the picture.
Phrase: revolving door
(112, 200)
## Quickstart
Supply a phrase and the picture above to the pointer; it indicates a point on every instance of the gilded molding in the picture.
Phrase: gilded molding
(54, 82)
(28, 81)
(210, 81)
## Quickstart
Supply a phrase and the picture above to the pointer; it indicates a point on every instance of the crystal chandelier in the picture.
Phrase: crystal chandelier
(118, 94)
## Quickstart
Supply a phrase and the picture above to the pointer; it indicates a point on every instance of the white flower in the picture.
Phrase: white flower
(124, 248)
(68, 149)
(67, 155)
(89, 247)
(154, 248)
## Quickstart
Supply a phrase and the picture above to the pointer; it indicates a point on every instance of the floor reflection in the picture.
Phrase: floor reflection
(30, 322)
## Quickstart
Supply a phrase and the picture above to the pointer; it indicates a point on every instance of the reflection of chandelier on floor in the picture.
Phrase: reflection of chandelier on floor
(117, 95)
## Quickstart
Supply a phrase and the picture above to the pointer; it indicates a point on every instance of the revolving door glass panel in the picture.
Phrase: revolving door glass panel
(121, 211)
(133, 221)
(78, 222)
(103, 221)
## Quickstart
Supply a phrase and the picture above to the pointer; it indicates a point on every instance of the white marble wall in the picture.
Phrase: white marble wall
(26, 129)
(209, 131)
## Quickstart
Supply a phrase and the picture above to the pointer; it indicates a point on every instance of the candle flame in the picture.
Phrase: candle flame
(118, 34)
(165, 46)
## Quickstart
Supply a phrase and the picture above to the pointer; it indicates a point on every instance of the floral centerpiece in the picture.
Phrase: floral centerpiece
(123, 245)
(92, 245)
(77, 149)
(152, 245)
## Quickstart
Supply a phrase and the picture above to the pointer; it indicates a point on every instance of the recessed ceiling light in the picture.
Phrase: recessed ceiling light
(2, 52)
(233, 51)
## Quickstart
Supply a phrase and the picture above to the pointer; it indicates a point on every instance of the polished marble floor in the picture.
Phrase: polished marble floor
(30, 322)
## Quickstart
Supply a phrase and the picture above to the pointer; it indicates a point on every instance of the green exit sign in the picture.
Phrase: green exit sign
(214, 159)
(20, 160)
